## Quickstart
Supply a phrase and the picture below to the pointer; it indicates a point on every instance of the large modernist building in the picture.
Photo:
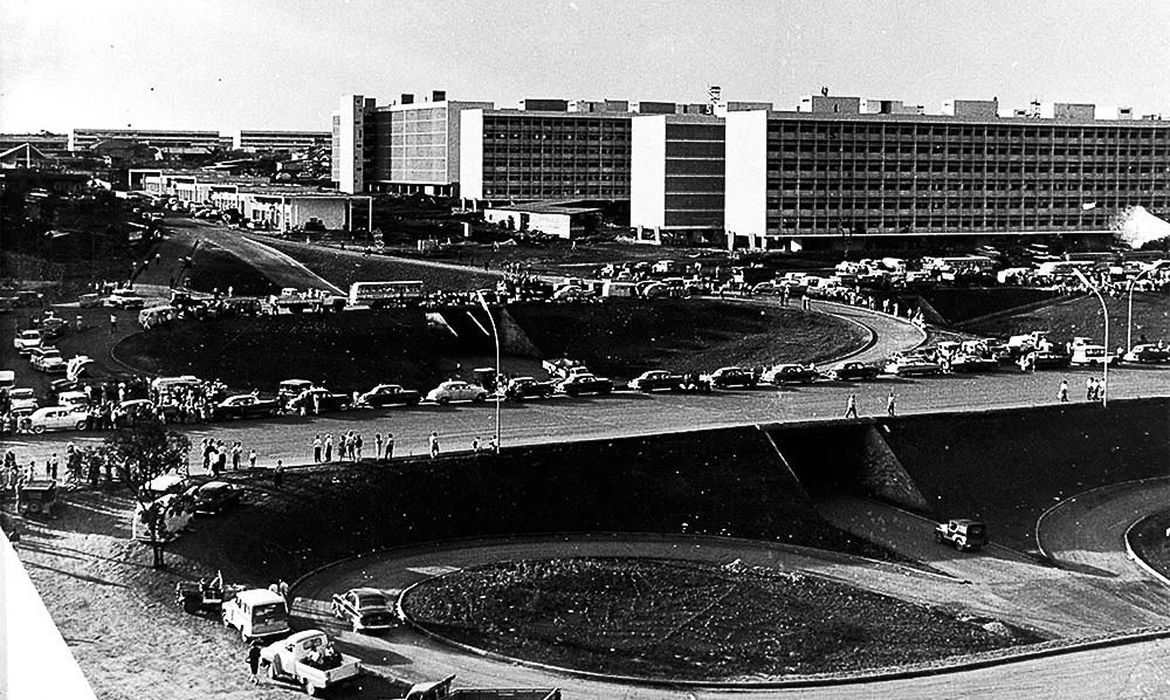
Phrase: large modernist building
(820, 177)
(261, 141)
(176, 142)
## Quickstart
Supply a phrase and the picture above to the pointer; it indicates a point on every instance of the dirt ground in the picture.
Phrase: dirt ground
(685, 619)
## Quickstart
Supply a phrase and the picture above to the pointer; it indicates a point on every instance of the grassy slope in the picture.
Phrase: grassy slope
(1151, 314)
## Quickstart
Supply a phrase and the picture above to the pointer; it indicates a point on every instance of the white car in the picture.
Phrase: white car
(124, 299)
(1091, 355)
(26, 341)
(457, 390)
(73, 399)
(23, 399)
(48, 360)
(57, 418)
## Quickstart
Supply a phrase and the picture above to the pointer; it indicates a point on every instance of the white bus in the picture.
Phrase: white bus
(385, 293)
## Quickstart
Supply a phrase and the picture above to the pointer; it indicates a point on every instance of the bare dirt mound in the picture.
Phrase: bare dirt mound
(685, 620)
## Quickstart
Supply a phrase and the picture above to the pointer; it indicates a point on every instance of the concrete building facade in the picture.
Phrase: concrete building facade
(677, 178)
(800, 179)
(260, 141)
(170, 142)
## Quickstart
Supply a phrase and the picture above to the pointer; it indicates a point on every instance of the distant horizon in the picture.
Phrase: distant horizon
(211, 65)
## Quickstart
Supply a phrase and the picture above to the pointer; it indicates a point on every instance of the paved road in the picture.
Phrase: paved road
(280, 269)
(1136, 670)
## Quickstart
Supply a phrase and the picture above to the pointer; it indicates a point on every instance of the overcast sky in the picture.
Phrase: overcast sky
(283, 64)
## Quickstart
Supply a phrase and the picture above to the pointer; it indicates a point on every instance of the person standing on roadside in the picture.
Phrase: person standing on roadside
(1062, 392)
(316, 445)
(278, 473)
(328, 447)
(434, 444)
(252, 458)
(357, 447)
(377, 446)
(389, 445)
(254, 661)
(891, 404)
(1090, 387)
(113, 324)
(237, 454)
(851, 406)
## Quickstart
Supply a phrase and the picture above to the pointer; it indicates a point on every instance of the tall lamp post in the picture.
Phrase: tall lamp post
(1129, 314)
(1105, 314)
(496, 337)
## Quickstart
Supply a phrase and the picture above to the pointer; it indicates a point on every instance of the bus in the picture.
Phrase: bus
(397, 293)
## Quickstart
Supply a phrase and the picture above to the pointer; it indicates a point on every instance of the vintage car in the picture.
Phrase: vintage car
(727, 377)
(57, 418)
(962, 533)
(790, 374)
(289, 389)
(256, 613)
(25, 341)
(309, 660)
(390, 395)
(124, 299)
(132, 411)
(519, 388)
(585, 383)
(364, 609)
(171, 514)
(852, 371)
(244, 406)
(214, 496)
(457, 390)
(38, 497)
(1147, 353)
(47, 360)
(655, 380)
(320, 400)
(23, 399)
(1092, 355)
(911, 366)
(967, 362)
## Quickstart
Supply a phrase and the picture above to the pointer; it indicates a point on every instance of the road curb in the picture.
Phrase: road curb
(1051, 509)
(1133, 555)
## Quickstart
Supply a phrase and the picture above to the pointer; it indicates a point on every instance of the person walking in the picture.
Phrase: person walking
(434, 443)
(891, 404)
(1062, 392)
(389, 445)
(252, 458)
(254, 661)
(851, 406)
(113, 324)
(316, 445)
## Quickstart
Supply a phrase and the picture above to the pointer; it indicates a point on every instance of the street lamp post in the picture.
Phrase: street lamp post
(1105, 359)
(496, 338)
(1129, 313)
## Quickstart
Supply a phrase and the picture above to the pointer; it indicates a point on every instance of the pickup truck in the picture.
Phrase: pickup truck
(309, 660)
(585, 384)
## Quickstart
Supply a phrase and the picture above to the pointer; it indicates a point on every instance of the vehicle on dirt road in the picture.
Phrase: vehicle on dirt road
(790, 374)
(244, 406)
(57, 418)
(25, 341)
(585, 383)
(1147, 353)
(962, 533)
(390, 395)
(38, 497)
(520, 388)
(655, 380)
(256, 613)
(728, 377)
(852, 371)
(364, 609)
(457, 390)
(309, 660)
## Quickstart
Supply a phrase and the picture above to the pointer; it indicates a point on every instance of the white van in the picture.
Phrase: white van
(256, 613)
(148, 318)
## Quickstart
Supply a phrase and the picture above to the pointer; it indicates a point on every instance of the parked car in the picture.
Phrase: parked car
(47, 360)
(962, 533)
(1092, 355)
(585, 383)
(38, 497)
(124, 299)
(244, 406)
(132, 411)
(1147, 353)
(73, 399)
(320, 400)
(519, 388)
(965, 362)
(364, 609)
(256, 613)
(25, 341)
(727, 377)
(790, 374)
(457, 390)
(390, 395)
(289, 389)
(57, 418)
(214, 496)
(23, 399)
(852, 371)
(308, 659)
(911, 366)
(656, 379)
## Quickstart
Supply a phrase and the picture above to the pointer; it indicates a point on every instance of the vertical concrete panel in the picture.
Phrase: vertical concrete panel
(747, 151)
(648, 171)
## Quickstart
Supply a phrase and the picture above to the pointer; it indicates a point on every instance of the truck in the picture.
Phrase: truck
(962, 533)
(441, 690)
(309, 660)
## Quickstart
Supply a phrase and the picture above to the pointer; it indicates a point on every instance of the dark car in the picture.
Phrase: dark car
(585, 383)
(390, 395)
(520, 388)
(656, 379)
(852, 371)
(727, 377)
(791, 374)
(214, 496)
(244, 406)
(320, 401)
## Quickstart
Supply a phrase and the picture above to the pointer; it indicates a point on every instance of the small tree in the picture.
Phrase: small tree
(138, 454)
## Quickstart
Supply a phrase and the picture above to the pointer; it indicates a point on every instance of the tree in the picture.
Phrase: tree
(139, 453)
